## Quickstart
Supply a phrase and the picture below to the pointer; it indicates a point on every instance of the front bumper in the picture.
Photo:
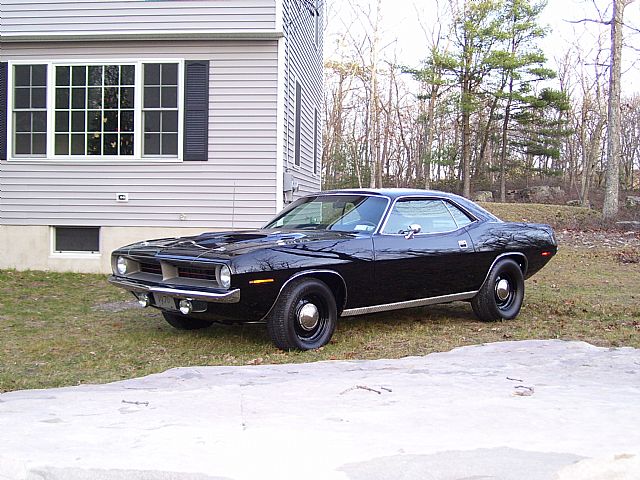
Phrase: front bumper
(231, 296)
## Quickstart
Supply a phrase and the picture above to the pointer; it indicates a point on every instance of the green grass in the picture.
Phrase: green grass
(55, 330)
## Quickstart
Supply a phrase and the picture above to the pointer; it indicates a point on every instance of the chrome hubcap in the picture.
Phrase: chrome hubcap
(308, 316)
(503, 289)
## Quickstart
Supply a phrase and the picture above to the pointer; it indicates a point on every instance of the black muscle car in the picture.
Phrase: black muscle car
(339, 253)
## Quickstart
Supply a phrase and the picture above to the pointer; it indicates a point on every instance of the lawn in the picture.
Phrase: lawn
(66, 329)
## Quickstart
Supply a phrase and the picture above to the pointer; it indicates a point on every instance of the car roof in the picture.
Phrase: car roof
(394, 193)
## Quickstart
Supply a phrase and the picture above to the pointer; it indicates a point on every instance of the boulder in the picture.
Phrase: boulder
(557, 191)
(631, 224)
(483, 196)
(632, 201)
(541, 193)
(513, 195)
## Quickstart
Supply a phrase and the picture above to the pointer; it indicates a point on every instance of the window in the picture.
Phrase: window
(113, 110)
(298, 123)
(345, 213)
(94, 110)
(30, 110)
(432, 215)
(459, 216)
(76, 240)
(160, 109)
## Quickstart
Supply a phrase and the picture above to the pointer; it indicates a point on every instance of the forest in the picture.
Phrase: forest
(484, 111)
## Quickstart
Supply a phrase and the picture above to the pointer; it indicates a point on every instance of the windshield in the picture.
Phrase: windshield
(343, 213)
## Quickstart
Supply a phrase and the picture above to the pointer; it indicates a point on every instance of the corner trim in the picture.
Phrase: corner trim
(421, 302)
(280, 119)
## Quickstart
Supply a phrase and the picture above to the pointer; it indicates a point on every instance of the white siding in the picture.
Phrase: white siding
(237, 186)
(304, 63)
(121, 17)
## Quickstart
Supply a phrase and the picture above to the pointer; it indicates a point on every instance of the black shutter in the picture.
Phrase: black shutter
(196, 110)
(3, 110)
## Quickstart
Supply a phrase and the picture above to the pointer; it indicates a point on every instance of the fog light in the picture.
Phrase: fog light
(121, 265)
(143, 300)
(185, 307)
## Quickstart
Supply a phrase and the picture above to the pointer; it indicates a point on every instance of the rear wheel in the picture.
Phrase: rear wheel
(184, 322)
(502, 294)
(304, 316)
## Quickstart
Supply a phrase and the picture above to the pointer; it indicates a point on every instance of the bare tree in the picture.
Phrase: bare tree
(612, 183)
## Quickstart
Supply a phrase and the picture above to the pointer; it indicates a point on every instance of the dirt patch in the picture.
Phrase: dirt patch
(604, 239)
(628, 255)
(116, 306)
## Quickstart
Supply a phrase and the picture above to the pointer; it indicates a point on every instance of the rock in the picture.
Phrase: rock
(632, 201)
(513, 194)
(623, 466)
(541, 193)
(557, 191)
(483, 196)
(629, 224)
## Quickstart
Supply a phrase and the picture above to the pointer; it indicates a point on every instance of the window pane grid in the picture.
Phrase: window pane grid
(30, 110)
(160, 109)
(94, 110)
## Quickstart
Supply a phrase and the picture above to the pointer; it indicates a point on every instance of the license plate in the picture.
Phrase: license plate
(164, 301)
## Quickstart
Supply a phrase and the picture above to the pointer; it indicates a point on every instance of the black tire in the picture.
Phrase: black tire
(501, 295)
(184, 322)
(286, 324)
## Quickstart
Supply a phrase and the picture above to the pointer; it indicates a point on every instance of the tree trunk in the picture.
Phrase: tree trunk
(376, 163)
(612, 181)
(466, 118)
(429, 141)
(503, 150)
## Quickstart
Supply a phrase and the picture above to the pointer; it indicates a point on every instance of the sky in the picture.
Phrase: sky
(404, 22)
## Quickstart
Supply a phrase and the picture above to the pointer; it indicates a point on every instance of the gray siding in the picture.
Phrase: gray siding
(304, 62)
(60, 17)
(242, 150)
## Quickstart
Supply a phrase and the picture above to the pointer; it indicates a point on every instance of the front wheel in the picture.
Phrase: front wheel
(183, 322)
(304, 316)
(501, 295)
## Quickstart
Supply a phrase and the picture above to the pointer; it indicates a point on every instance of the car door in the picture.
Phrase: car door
(429, 263)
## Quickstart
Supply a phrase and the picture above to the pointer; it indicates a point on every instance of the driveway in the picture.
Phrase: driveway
(532, 410)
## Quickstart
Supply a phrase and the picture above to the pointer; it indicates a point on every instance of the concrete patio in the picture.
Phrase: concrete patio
(532, 410)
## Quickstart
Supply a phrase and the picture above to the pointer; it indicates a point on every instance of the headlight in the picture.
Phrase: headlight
(121, 265)
(224, 277)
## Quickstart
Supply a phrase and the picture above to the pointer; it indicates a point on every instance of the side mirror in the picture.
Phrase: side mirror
(414, 229)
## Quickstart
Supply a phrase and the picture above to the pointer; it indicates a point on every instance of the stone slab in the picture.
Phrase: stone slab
(533, 410)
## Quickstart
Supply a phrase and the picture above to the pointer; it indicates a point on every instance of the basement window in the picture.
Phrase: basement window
(84, 240)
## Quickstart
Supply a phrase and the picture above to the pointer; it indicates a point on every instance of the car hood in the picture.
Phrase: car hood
(230, 244)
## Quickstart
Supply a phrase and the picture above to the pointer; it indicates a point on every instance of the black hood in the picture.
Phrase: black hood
(230, 244)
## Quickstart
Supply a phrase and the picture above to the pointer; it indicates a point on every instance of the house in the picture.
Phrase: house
(129, 120)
